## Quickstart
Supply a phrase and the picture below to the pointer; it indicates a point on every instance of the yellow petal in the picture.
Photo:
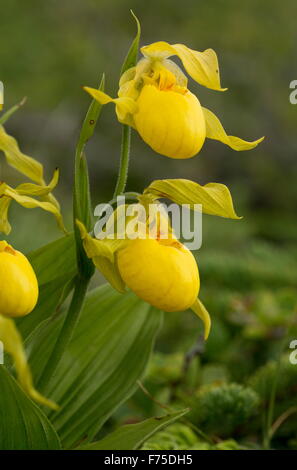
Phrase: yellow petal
(25, 201)
(203, 66)
(203, 314)
(158, 50)
(215, 198)
(24, 164)
(31, 168)
(124, 105)
(92, 246)
(5, 226)
(31, 189)
(102, 254)
(44, 192)
(12, 342)
(98, 95)
(215, 130)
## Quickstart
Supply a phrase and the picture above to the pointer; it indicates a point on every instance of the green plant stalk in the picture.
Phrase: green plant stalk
(124, 161)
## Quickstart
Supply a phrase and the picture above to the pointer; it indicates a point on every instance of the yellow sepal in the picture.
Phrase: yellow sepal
(215, 198)
(199, 309)
(12, 342)
(5, 226)
(215, 130)
(31, 189)
(125, 106)
(203, 66)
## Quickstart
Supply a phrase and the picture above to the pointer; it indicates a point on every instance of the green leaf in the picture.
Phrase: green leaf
(132, 436)
(51, 296)
(54, 260)
(215, 198)
(108, 353)
(23, 426)
(132, 55)
(55, 266)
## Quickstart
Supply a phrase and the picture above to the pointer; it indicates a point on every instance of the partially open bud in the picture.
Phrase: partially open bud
(164, 273)
(19, 287)
(170, 121)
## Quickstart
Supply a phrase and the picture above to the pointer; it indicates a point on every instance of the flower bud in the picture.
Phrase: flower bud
(164, 273)
(19, 287)
(171, 121)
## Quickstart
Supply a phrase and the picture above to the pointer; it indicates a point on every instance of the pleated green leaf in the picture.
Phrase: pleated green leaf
(108, 353)
(54, 260)
(132, 436)
(51, 296)
(55, 267)
(23, 426)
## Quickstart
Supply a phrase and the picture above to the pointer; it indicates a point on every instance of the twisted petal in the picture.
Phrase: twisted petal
(203, 314)
(7, 194)
(124, 105)
(102, 254)
(12, 342)
(203, 66)
(215, 198)
(5, 226)
(31, 189)
(26, 165)
(31, 168)
(45, 193)
(215, 130)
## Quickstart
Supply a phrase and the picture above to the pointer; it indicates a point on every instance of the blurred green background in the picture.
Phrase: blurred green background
(248, 267)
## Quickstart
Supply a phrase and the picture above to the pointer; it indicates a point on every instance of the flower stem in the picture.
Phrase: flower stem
(70, 322)
(124, 162)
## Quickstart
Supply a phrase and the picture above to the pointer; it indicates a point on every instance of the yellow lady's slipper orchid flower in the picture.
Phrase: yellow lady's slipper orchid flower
(19, 286)
(154, 98)
(157, 268)
(162, 272)
(18, 297)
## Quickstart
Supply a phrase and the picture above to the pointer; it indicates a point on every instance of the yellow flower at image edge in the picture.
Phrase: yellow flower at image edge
(18, 297)
(154, 98)
(19, 287)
